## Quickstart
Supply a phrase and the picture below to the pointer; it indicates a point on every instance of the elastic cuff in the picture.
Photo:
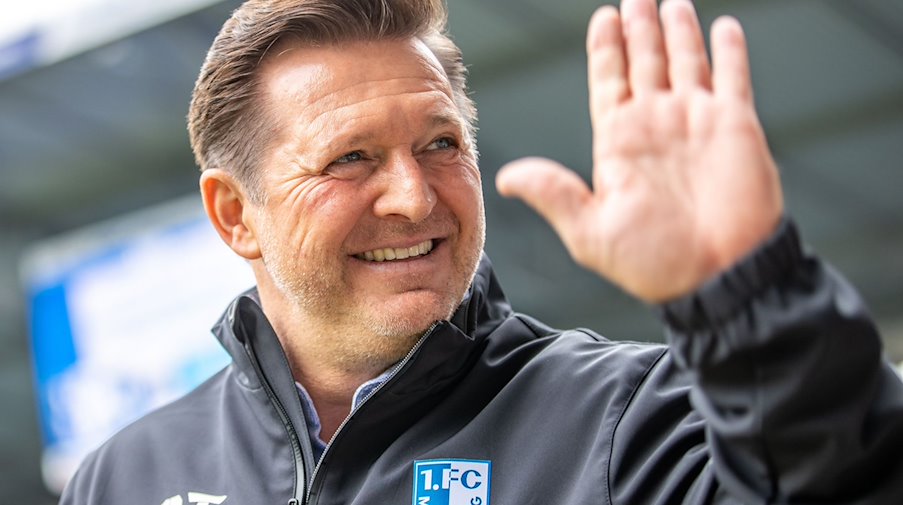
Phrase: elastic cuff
(719, 298)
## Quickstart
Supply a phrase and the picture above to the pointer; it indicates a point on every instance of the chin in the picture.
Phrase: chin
(411, 314)
(388, 340)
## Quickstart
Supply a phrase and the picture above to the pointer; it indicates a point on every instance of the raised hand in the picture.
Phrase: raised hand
(683, 182)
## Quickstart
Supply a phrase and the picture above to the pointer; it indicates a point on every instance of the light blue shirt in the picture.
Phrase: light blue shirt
(313, 419)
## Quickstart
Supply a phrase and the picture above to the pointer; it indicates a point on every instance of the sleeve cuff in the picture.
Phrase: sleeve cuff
(723, 296)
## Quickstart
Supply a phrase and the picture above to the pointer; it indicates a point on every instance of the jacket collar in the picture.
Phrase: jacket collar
(247, 335)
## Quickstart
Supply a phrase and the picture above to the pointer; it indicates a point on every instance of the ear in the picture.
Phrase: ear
(230, 212)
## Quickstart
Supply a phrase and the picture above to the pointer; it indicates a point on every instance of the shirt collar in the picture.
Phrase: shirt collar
(312, 418)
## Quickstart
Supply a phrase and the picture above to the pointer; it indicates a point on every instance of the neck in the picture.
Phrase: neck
(330, 383)
(329, 360)
(330, 380)
(332, 395)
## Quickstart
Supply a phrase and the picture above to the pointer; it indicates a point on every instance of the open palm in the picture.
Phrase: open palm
(683, 181)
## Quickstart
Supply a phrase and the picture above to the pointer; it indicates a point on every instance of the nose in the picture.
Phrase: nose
(405, 191)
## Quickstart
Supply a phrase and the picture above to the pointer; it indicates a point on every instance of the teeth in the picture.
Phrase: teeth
(389, 253)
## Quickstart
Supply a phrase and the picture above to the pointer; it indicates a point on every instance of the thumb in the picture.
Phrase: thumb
(557, 193)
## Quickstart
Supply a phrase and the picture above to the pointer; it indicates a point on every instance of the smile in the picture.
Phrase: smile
(400, 253)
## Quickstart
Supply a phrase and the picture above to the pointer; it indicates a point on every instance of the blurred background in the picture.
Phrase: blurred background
(103, 249)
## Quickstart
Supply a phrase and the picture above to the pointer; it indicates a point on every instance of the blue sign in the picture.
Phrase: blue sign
(20, 55)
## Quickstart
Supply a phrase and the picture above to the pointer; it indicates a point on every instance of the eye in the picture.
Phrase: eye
(351, 165)
(350, 158)
(442, 143)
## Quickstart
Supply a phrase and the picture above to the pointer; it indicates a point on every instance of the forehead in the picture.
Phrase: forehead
(322, 79)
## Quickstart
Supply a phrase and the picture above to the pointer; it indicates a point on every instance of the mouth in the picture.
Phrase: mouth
(397, 253)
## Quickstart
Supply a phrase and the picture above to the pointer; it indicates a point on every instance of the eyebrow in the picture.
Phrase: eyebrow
(326, 144)
(435, 121)
(445, 119)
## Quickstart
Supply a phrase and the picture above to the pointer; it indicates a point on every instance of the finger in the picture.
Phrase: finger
(558, 194)
(645, 50)
(607, 64)
(688, 65)
(730, 60)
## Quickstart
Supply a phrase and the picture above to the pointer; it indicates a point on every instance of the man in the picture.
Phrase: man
(337, 151)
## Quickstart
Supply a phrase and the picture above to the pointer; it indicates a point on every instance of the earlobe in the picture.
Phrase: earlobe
(226, 205)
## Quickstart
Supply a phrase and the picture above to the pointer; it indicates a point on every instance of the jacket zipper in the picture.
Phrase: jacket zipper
(300, 480)
(335, 436)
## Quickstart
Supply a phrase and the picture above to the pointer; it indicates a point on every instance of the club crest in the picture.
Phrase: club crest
(451, 482)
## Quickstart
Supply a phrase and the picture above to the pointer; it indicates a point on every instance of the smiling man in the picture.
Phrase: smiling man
(369, 224)
(377, 360)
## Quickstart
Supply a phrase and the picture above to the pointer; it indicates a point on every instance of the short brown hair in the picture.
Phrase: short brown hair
(229, 127)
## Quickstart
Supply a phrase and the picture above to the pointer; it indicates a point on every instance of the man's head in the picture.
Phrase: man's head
(228, 121)
(345, 170)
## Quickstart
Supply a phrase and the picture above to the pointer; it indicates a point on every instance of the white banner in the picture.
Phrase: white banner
(43, 32)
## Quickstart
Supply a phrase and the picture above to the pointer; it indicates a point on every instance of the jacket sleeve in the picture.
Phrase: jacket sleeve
(790, 400)
(86, 486)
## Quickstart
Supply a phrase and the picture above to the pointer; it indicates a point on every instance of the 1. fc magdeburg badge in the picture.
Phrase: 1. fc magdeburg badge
(451, 482)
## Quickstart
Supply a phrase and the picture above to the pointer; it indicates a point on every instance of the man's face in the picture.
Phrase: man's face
(371, 162)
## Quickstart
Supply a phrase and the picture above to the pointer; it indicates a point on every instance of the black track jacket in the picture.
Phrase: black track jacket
(772, 390)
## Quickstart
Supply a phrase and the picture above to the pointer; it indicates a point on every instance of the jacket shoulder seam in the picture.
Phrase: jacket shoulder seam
(525, 320)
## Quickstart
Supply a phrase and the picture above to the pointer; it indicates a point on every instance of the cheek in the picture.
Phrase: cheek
(470, 175)
(460, 171)
(324, 215)
(462, 189)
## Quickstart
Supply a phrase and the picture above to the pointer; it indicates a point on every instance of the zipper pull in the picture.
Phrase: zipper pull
(294, 501)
